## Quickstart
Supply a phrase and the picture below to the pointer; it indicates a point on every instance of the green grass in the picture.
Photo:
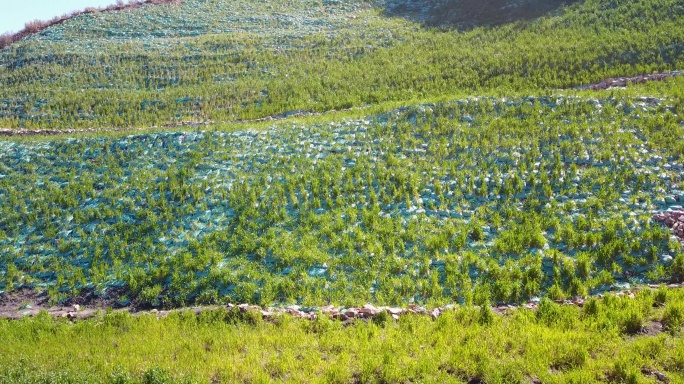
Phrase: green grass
(445, 166)
(555, 344)
(519, 197)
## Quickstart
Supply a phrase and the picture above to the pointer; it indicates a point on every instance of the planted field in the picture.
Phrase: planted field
(228, 60)
(432, 174)
(505, 199)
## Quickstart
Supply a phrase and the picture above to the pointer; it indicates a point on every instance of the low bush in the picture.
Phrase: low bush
(548, 312)
(156, 375)
(241, 316)
(486, 316)
(572, 357)
(626, 372)
(591, 307)
(660, 297)
(632, 321)
(673, 317)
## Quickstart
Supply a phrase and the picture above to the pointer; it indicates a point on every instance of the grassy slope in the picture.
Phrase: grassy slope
(555, 344)
(225, 60)
(353, 211)
(168, 64)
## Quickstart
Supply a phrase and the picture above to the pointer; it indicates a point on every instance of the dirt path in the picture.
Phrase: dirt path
(183, 124)
(625, 81)
(29, 303)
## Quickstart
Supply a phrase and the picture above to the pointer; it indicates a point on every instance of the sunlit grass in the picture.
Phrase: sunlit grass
(556, 344)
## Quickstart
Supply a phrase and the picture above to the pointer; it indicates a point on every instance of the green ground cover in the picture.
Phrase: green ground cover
(617, 340)
(516, 198)
(463, 164)
(225, 60)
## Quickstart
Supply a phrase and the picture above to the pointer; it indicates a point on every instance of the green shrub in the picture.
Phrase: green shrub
(632, 321)
(476, 233)
(673, 318)
(678, 268)
(120, 376)
(486, 316)
(381, 318)
(556, 292)
(660, 297)
(150, 295)
(323, 323)
(591, 307)
(156, 375)
(208, 297)
(506, 373)
(548, 312)
(240, 316)
(573, 357)
(625, 372)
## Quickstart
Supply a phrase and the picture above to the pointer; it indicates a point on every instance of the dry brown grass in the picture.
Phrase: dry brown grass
(37, 26)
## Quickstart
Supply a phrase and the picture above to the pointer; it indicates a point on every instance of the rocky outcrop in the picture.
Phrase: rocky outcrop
(673, 220)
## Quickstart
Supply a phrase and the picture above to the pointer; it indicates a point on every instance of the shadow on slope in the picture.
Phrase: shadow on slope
(469, 14)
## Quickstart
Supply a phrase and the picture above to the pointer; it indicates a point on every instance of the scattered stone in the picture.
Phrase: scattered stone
(266, 314)
(661, 377)
(198, 311)
(327, 309)
(395, 311)
(368, 311)
(673, 220)
(624, 81)
(346, 315)
(350, 313)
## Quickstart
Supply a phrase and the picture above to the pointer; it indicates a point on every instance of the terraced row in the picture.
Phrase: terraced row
(430, 204)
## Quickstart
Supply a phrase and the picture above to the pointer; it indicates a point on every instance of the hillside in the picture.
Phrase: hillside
(229, 60)
(416, 204)
(504, 173)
